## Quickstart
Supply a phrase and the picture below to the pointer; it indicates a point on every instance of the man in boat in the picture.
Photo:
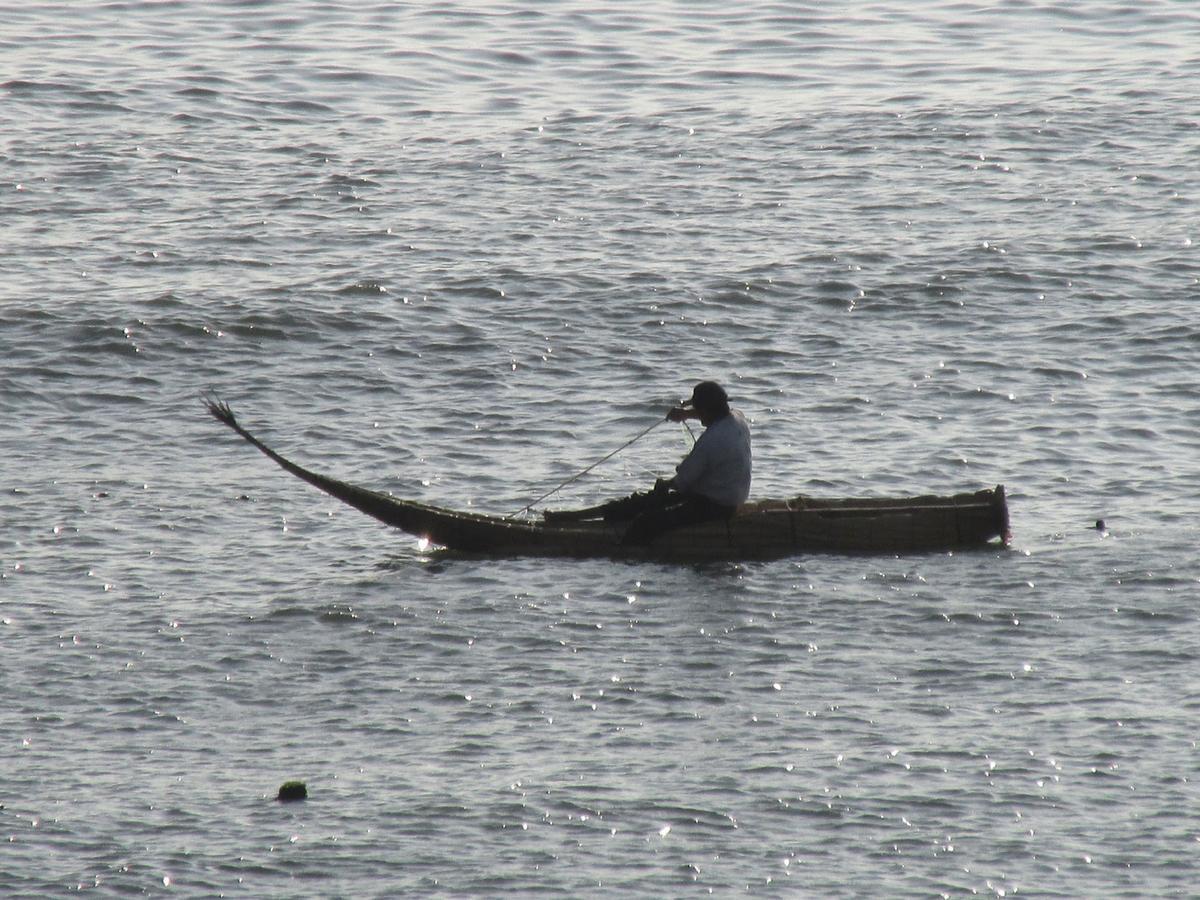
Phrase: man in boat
(711, 482)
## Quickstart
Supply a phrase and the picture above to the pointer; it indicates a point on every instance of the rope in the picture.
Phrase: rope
(578, 475)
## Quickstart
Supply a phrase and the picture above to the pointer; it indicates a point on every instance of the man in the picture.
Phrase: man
(711, 482)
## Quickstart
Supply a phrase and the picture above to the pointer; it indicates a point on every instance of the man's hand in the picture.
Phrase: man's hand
(679, 413)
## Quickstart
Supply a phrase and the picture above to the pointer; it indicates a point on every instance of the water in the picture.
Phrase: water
(460, 252)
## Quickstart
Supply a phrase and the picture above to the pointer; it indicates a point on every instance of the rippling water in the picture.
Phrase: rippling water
(461, 251)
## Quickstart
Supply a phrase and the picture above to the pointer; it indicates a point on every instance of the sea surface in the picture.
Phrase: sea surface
(461, 251)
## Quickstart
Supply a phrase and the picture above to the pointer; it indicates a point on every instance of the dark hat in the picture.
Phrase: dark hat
(708, 395)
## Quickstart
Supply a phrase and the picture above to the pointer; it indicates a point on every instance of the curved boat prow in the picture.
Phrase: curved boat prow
(379, 506)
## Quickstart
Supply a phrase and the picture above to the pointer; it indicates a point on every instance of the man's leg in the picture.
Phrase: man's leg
(682, 510)
(620, 510)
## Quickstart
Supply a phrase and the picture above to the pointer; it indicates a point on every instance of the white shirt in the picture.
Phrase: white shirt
(719, 465)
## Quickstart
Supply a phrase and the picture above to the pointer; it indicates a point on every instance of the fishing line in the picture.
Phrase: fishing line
(578, 475)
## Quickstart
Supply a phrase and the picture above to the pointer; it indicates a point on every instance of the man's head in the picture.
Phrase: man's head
(710, 401)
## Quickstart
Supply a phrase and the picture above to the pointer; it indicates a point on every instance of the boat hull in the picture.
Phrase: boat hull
(770, 529)
(766, 530)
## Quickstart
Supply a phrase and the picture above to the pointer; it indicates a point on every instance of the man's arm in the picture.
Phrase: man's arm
(676, 414)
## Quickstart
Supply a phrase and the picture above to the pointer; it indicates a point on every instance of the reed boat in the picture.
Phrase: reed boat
(765, 529)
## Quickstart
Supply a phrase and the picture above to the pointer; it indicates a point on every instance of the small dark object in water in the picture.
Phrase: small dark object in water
(292, 790)
(1100, 526)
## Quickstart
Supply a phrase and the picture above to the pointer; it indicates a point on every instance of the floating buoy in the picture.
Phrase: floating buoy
(292, 790)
